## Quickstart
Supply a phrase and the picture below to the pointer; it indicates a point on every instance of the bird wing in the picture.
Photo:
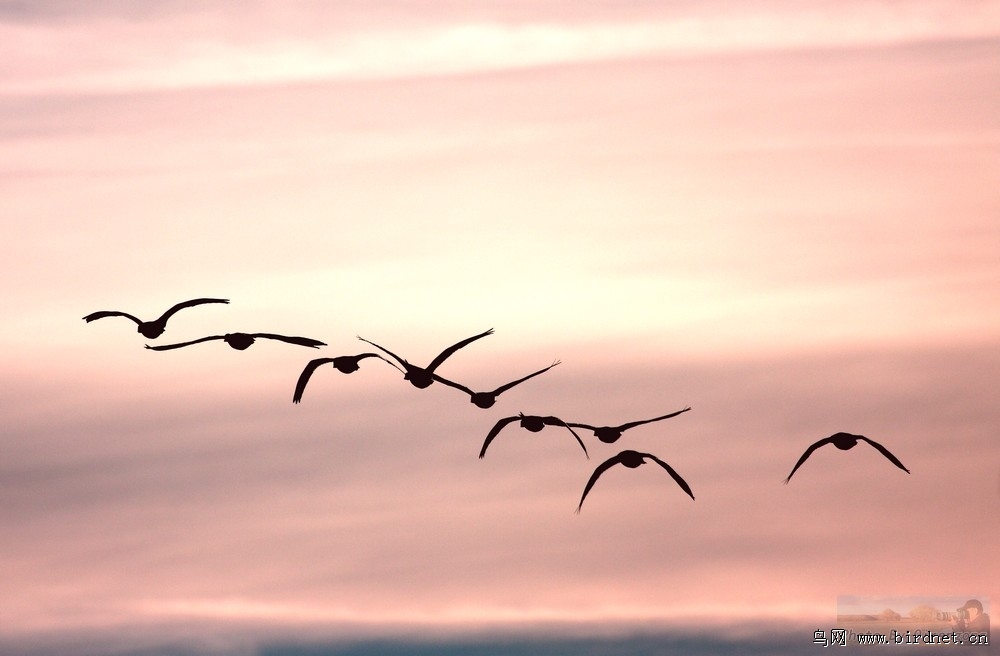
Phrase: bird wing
(362, 356)
(110, 313)
(186, 304)
(451, 383)
(395, 357)
(633, 424)
(499, 426)
(504, 388)
(884, 451)
(601, 468)
(825, 440)
(556, 421)
(673, 474)
(300, 341)
(436, 362)
(300, 385)
(576, 425)
(167, 347)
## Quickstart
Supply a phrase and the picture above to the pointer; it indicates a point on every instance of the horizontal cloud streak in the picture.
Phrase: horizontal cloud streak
(271, 45)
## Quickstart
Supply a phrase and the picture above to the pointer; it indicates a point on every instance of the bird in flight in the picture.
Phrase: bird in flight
(423, 377)
(242, 341)
(153, 329)
(631, 459)
(487, 399)
(532, 423)
(346, 364)
(610, 434)
(845, 441)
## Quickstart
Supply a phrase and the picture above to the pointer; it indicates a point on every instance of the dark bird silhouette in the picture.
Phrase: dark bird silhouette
(346, 364)
(532, 423)
(845, 441)
(242, 341)
(487, 399)
(423, 377)
(153, 329)
(631, 459)
(610, 434)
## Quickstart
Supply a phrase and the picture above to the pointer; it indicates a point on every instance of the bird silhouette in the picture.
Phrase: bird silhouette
(845, 441)
(153, 329)
(242, 341)
(610, 434)
(631, 459)
(347, 364)
(487, 399)
(532, 423)
(423, 377)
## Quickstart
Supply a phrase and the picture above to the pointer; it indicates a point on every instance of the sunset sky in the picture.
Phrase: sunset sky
(783, 214)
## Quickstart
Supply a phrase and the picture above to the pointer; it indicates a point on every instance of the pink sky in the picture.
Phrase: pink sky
(783, 215)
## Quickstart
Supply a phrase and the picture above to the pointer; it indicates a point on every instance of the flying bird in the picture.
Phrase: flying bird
(631, 459)
(532, 423)
(346, 364)
(153, 329)
(487, 399)
(242, 341)
(610, 434)
(423, 377)
(845, 441)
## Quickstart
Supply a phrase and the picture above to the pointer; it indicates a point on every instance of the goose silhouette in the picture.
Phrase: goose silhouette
(423, 377)
(346, 364)
(631, 459)
(845, 441)
(242, 341)
(532, 423)
(487, 399)
(610, 434)
(153, 329)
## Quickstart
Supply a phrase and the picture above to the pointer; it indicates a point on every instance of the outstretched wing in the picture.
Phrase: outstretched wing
(186, 304)
(556, 421)
(167, 347)
(110, 313)
(884, 451)
(451, 383)
(632, 424)
(576, 425)
(362, 356)
(504, 388)
(436, 362)
(825, 440)
(385, 350)
(299, 341)
(673, 474)
(601, 468)
(300, 386)
(499, 426)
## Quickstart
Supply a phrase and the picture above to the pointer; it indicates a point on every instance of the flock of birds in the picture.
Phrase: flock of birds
(423, 377)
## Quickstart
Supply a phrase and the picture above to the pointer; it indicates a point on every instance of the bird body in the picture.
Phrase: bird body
(346, 364)
(423, 377)
(610, 434)
(156, 327)
(531, 423)
(242, 341)
(632, 459)
(844, 442)
(487, 399)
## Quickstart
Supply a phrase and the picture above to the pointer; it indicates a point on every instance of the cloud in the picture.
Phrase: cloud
(269, 44)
